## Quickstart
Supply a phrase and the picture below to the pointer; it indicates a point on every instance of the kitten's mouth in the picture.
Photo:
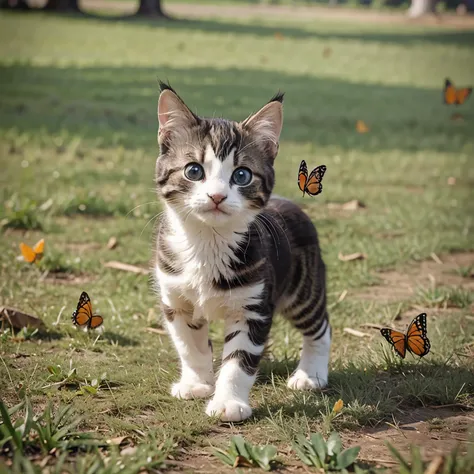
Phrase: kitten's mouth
(215, 211)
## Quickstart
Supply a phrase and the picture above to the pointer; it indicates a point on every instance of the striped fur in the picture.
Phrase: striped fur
(243, 259)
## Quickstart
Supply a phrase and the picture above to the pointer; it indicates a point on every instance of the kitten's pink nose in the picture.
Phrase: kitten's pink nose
(217, 198)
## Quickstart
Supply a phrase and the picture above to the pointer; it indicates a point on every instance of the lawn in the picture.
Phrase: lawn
(77, 151)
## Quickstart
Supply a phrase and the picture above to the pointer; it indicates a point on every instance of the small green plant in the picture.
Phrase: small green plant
(327, 455)
(453, 463)
(24, 334)
(60, 377)
(21, 214)
(55, 263)
(331, 414)
(242, 453)
(47, 431)
(447, 297)
(466, 271)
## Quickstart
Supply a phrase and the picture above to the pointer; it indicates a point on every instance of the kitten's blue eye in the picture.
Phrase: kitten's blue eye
(242, 176)
(194, 172)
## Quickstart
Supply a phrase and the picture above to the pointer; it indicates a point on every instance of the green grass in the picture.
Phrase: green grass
(77, 152)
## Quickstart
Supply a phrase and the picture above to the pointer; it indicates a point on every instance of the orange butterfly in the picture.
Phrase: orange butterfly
(83, 315)
(362, 127)
(455, 96)
(415, 340)
(34, 254)
(311, 185)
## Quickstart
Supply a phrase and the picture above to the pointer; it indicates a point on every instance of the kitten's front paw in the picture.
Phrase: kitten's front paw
(188, 391)
(300, 380)
(229, 410)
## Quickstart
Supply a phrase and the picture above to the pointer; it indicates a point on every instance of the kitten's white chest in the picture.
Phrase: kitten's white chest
(204, 259)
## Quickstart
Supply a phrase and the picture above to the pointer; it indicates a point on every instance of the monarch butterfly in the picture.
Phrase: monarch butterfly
(455, 96)
(83, 315)
(415, 340)
(311, 185)
(34, 254)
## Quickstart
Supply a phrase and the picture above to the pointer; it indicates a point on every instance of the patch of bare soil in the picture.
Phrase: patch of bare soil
(436, 431)
(401, 285)
(68, 279)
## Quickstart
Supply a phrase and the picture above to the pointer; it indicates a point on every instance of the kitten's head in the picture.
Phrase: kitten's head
(215, 170)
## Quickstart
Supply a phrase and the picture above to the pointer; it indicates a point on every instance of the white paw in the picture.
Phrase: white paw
(300, 380)
(228, 410)
(188, 391)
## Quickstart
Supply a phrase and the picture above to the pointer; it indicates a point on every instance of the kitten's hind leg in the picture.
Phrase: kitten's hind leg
(312, 370)
(312, 319)
(191, 339)
(244, 343)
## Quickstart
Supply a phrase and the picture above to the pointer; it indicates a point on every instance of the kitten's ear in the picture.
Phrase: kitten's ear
(173, 114)
(266, 124)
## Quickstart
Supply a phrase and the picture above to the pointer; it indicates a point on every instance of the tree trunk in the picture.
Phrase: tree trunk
(151, 8)
(421, 7)
(63, 5)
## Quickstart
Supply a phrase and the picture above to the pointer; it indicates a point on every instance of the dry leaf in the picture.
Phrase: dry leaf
(434, 465)
(241, 461)
(129, 450)
(327, 52)
(352, 256)
(117, 441)
(362, 127)
(353, 205)
(342, 296)
(162, 332)
(18, 319)
(457, 118)
(451, 180)
(126, 267)
(278, 35)
(112, 243)
(354, 332)
(436, 258)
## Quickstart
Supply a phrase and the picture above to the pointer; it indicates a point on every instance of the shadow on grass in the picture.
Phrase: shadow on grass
(114, 338)
(373, 395)
(117, 106)
(208, 25)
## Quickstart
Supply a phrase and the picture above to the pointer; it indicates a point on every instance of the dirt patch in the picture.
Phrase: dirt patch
(437, 431)
(402, 285)
(68, 279)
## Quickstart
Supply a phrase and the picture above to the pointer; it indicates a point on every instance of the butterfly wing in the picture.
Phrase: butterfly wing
(417, 338)
(28, 253)
(396, 339)
(83, 313)
(314, 185)
(462, 95)
(95, 321)
(39, 249)
(302, 176)
(449, 92)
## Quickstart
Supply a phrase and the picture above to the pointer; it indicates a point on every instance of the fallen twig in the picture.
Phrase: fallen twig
(126, 267)
(354, 332)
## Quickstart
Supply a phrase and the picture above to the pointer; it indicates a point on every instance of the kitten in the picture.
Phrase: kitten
(227, 249)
